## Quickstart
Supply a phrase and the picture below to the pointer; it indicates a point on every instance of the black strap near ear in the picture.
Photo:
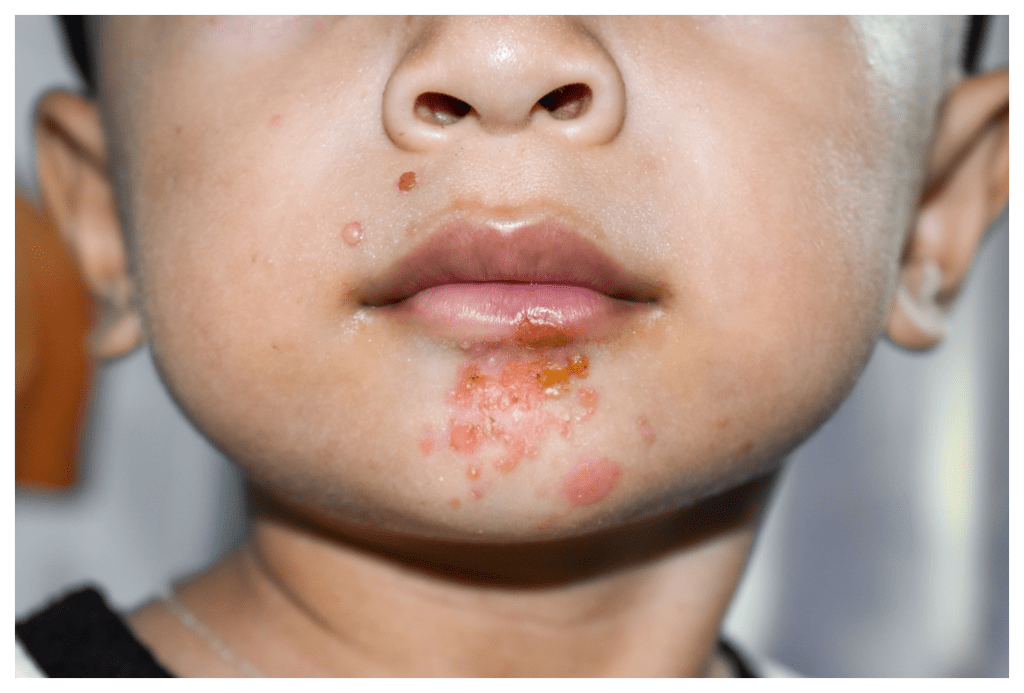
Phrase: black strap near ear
(74, 37)
(975, 40)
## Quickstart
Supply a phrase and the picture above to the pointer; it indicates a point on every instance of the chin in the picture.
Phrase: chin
(548, 500)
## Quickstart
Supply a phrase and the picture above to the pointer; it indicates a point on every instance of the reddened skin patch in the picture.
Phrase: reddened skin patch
(503, 409)
(590, 481)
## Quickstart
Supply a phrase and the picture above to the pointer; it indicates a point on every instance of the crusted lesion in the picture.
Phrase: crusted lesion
(535, 334)
(500, 417)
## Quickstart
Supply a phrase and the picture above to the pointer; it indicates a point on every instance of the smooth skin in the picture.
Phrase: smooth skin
(716, 160)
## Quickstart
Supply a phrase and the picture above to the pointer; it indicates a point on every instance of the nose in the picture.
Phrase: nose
(501, 76)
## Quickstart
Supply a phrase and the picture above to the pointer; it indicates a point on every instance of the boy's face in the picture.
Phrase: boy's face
(702, 223)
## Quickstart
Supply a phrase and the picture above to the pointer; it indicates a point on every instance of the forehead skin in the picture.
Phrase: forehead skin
(747, 180)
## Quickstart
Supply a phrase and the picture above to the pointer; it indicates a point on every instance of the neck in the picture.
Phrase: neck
(645, 600)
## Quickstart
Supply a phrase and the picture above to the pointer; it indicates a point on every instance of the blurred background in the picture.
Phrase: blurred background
(885, 552)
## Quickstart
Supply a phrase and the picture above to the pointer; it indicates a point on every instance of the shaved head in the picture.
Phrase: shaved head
(914, 60)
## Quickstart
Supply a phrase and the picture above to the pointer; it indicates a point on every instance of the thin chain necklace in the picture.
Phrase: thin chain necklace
(189, 620)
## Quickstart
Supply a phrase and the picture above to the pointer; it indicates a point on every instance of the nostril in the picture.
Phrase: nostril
(440, 109)
(567, 102)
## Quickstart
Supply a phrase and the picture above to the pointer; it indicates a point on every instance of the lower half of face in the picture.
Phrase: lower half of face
(513, 335)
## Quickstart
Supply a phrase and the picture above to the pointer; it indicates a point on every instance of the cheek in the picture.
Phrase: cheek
(244, 310)
(778, 276)
(242, 253)
(764, 347)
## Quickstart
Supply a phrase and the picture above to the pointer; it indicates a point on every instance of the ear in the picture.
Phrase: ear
(968, 186)
(78, 192)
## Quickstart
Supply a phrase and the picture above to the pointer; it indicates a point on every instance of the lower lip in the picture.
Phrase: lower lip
(531, 315)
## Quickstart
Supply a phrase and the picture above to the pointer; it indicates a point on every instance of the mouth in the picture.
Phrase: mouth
(536, 284)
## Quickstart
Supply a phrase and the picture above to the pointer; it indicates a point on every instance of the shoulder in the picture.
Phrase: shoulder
(80, 636)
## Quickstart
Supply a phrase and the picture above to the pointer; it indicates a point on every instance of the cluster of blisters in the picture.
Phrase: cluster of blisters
(501, 413)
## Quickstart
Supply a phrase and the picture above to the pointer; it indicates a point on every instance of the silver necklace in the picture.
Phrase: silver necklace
(189, 620)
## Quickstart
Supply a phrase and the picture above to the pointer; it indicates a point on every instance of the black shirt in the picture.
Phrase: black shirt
(79, 636)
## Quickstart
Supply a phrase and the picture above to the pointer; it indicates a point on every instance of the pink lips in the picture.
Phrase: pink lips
(539, 284)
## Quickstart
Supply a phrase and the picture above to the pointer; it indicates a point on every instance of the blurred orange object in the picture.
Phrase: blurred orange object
(51, 363)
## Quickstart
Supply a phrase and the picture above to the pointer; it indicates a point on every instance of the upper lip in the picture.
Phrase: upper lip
(548, 251)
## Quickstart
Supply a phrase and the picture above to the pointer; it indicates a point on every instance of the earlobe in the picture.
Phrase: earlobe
(918, 320)
(78, 192)
(118, 329)
(968, 187)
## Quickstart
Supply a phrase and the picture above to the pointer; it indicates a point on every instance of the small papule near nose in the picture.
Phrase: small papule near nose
(352, 233)
(407, 181)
